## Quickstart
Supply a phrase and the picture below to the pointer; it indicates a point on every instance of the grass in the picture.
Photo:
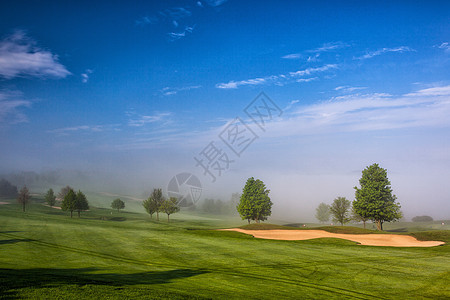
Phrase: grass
(45, 254)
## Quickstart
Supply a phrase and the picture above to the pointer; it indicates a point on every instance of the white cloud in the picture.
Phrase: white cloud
(378, 111)
(20, 57)
(141, 120)
(346, 88)
(173, 36)
(85, 75)
(385, 50)
(277, 79)
(215, 3)
(83, 129)
(328, 47)
(307, 79)
(317, 51)
(11, 103)
(168, 91)
(444, 46)
(292, 56)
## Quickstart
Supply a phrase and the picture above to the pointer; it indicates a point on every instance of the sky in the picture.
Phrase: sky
(300, 94)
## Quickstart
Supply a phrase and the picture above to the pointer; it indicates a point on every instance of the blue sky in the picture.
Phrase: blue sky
(137, 90)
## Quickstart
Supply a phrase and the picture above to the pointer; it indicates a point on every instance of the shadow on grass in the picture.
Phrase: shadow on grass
(13, 280)
(13, 241)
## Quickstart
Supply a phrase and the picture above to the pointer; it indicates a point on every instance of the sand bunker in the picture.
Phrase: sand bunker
(392, 240)
(3, 203)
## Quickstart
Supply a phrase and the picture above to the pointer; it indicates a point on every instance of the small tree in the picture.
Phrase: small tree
(50, 198)
(63, 192)
(81, 203)
(374, 200)
(157, 198)
(118, 204)
(170, 206)
(340, 210)
(255, 203)
(69, 202)
(323, 212)
(150, 206)
(24, 197)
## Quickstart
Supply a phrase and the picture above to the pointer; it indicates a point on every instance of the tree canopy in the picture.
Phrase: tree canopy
(323, 212)
(422, 219)
(374, 200)
(340, 210)
(24, 197)
(255, 203)
(118, 204)
(69, 201)
(50, 197)
(154, 202)
(81, 202)
(170, 206)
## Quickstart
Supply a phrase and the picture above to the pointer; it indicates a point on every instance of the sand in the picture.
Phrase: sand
(3, 203)
(392, 240)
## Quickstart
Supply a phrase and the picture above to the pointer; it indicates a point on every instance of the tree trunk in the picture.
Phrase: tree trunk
(168, 221)
(23, 206)
(248, 221)
(79, 214)
(157, 216)
(364, 222)
(379, 225)
(117, 210)
(71, 213)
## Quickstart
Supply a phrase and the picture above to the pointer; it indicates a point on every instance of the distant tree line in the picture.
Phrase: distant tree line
(7, 189)
(373, 201)
(422, 219)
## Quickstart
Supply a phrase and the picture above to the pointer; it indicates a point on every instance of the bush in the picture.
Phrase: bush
(422, 219)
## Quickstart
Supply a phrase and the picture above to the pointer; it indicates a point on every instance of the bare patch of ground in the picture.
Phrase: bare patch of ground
(3, 203)
(392, 240)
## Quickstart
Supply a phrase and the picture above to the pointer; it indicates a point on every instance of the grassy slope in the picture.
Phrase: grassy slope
(44, 253)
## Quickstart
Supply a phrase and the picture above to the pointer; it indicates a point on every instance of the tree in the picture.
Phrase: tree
(340, 210)
(118, 204)
(422, 219)
(153, 203)
(323, 212)
(81, 202)
(170, 206)
(358, 218)
(157, 198)
(69, 201)
(23, 197)
(374, 200)
(63, 192)
(255, 203)
(7, 189)
(50, 198)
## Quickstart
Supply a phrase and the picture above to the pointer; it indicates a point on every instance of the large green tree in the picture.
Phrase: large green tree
(63, 192)
(170, 206)
(118, 204)
(374, 200)
(69, 201)
(50, 198)
(340, 209)
(255, 203)
(24, 197)
(81, 202)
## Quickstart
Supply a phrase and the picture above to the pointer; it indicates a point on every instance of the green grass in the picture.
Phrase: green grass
(45, 254)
